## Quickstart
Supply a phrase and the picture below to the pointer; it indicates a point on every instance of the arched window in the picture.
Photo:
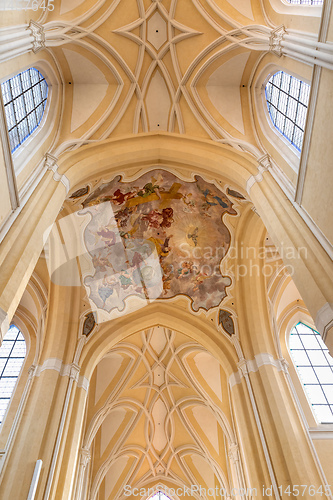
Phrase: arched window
(305, 2)
(24, 97)
(315, 368)
(12, 354)
(287, 100)
(159, 495)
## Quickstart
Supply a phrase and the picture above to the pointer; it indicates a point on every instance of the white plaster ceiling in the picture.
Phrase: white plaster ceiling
(210, 371)
(156, 53)
(224, 90)
(106, 371)
(110, 426)
(244, 7)
(113, 475)
(157, 31)
(68, 5)
(89, 87)
(158, 103)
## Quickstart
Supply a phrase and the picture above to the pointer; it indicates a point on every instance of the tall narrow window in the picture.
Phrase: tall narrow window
(315, 368)
(24, 97)
(12, 354)
(287, 101)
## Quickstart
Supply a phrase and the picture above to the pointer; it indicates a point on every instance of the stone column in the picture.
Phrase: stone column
(17, 40)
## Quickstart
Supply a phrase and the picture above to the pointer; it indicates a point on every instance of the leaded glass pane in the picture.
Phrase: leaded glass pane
(25, 97)
(287, 101)
(305, 2)
(12, 354)
(315, 368)
(159, 496)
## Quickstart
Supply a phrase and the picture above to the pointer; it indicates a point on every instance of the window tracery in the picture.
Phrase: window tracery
(287, 100)
(24, 96)
(12, 355)
(315, 368)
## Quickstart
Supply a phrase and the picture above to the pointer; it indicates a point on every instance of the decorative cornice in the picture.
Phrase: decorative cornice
(72, 371)
(245, 367)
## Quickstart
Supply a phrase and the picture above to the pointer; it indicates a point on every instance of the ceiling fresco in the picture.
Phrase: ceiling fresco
(156, 237)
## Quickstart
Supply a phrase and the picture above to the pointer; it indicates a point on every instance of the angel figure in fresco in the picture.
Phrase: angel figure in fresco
(157, 219)
(198, 280)
(106, 288)
(118, 198)
(100, 263)
(122, 216)
(167, 277)
(212, 199)
(185, 270)
(127, 282)
(189, 203)
(162, 246)
(149, 189)
(107, 235)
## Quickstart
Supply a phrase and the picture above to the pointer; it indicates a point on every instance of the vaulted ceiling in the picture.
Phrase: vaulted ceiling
(158, 413)
(147, 66)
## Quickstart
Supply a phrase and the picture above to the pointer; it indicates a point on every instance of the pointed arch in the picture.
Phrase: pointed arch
(314, 366)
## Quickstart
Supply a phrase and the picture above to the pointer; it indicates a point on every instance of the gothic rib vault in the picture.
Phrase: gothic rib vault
(154, 112)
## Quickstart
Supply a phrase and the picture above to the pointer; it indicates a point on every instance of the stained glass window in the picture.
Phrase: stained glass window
(12, 354)
(24, 97)
(315, 368)
(287, 101)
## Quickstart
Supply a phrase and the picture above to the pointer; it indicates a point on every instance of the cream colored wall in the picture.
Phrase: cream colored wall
(318, 183)
(6, 206)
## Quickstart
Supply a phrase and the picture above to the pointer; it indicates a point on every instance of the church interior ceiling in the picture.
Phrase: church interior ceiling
(161, 66)
(154, 237)
(158, 412)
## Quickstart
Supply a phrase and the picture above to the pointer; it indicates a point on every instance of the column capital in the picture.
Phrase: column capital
(37, 31)
(242, 367)
(50, 162)
(85, 457)
(233, 452)
(74, 372)
(32, 371)
(264, 162)
(275, 40)
(284, 365)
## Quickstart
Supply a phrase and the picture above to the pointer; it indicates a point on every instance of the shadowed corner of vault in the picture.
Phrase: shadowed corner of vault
(119, 276)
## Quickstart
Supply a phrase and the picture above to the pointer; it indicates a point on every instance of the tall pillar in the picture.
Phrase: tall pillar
(289, 448)
(54, 386)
